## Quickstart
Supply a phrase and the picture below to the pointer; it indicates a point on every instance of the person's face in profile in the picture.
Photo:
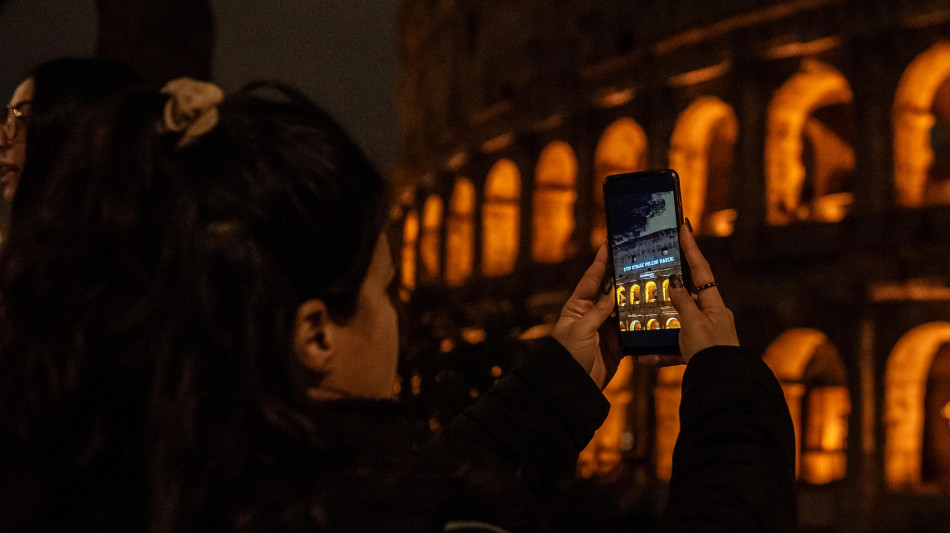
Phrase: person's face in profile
(13, 138)
(358, 358)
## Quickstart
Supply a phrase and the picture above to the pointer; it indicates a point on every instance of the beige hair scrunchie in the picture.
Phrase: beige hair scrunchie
(191, 109)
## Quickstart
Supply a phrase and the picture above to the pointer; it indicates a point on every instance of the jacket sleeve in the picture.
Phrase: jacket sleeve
(734, 460)
(534, 421)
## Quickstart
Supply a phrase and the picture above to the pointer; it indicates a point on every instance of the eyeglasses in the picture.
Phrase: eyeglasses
(14, 122)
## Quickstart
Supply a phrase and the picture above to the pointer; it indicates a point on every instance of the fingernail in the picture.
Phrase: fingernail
(608, 283)
(675, 280)
(688, 225)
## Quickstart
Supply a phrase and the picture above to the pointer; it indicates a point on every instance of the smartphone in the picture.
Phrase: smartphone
(644, 215)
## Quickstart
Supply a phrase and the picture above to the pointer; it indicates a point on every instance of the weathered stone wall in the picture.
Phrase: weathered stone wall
(482, 81)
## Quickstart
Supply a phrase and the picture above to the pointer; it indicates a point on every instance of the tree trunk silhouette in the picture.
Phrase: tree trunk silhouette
(161, 39)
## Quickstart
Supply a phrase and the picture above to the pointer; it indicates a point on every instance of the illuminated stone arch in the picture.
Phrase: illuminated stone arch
(636, 325)
(790, 122)
(622, 148)
(701, 151)
(673, 323)
(813, 380)
(555, 193)
(905, 382)
(604, 451)
(621, 296)
(410, 239)
(501, 218)
(460, 233)
(925, 78)
(651, 291)
(635, 294)
(666, 290)
(430, 241)
(653, 324)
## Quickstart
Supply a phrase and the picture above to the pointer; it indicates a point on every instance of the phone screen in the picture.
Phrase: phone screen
(643, 219)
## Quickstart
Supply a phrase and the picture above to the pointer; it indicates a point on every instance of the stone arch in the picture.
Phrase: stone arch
(460, 233)
(650, 295)
(501, 219)
(791, 121)
(555, 193)
(813, 379)
(622, 148)
(905, 381)
(922, 100)
(410, 239)
(430, 240)
(701, 151)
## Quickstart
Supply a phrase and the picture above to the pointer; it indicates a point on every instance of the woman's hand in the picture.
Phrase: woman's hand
(579, 327)
(705, 320)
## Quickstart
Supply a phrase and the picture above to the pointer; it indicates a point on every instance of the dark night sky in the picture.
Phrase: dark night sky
(340, 52)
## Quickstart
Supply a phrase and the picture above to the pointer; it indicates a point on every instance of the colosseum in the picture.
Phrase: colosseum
(813, 142)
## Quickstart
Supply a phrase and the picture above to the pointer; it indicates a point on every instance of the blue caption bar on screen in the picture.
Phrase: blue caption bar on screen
(645, 264)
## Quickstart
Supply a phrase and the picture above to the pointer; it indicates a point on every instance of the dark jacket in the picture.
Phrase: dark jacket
(523, 435)
(734, 461)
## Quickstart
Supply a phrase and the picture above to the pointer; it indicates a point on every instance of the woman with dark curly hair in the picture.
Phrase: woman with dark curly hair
(196, 333)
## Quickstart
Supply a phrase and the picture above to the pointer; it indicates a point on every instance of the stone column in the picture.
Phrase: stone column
(751, 105)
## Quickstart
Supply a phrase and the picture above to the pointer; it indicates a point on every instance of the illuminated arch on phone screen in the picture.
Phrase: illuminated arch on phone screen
(702, 150)
(814, 380)
(460, 233)
(636, 325)
(622, 148)
(921, 104)
(672, 323)
(906, 395)
(810, 118)
(653, 324)
(501, 219)
(430, 239)
(635, 294)
(410, 239)
(666, 290)
(621, 296)
(651, 291)
(553, 202)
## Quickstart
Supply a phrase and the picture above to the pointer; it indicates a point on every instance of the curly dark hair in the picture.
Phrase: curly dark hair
(148, 295)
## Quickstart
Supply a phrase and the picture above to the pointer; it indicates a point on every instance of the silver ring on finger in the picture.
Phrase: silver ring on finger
(706, 286)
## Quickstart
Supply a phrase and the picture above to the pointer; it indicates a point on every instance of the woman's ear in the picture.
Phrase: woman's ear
(313, 338)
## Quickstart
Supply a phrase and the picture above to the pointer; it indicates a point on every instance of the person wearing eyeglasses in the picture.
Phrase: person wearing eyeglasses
(48, 98)
(13, 137)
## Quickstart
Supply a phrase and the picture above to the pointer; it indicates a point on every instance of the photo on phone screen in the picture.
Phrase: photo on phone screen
(643, 219)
